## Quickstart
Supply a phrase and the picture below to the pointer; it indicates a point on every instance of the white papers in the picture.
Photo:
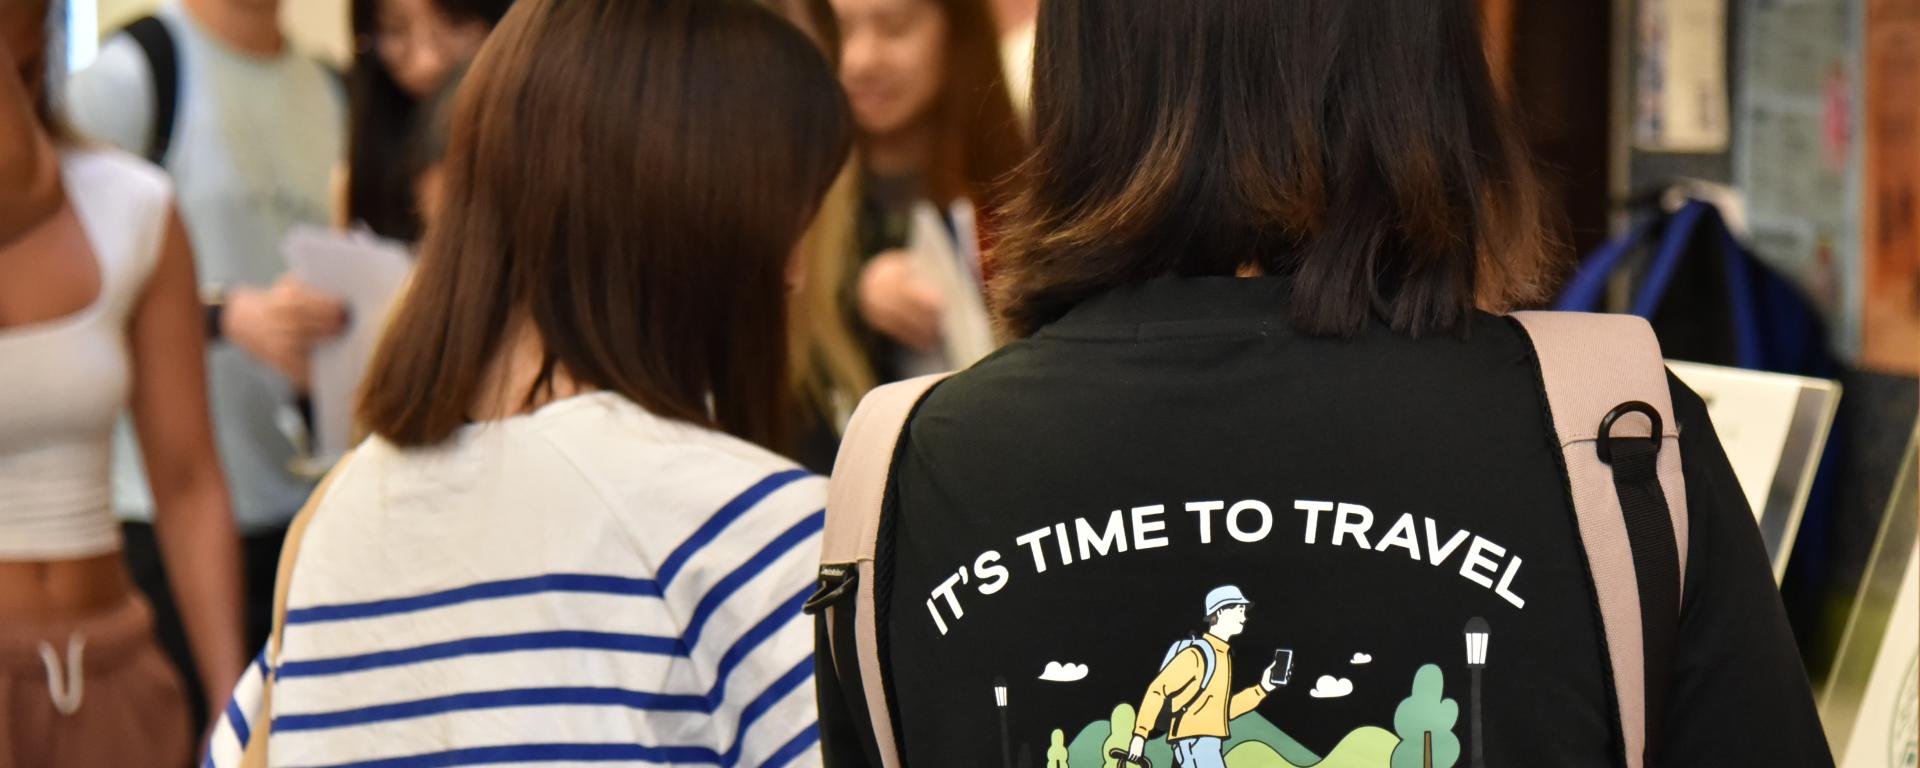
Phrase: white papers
(1774, 430)
(950, 261)
(366, 273)
(1883, 733)
(1873, 691)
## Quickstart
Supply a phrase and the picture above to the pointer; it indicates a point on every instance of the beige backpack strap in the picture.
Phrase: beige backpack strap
(256, 750)
(1606, 388)
(855, 494)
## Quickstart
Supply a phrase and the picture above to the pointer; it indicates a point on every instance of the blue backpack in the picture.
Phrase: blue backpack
(1729, 307)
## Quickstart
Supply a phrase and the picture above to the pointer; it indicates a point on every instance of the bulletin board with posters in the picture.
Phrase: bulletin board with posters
(1798, 155)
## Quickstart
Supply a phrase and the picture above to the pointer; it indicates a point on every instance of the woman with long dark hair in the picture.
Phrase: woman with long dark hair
(405, 51)
(895, 285)
(99, 314)
(1270, 475)
(568, 539)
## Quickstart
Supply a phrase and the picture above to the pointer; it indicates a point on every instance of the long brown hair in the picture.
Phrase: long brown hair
(977, 139)
(1354, 146)
(630, 177)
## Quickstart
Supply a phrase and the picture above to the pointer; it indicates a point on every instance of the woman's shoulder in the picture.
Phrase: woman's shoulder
(666, 467)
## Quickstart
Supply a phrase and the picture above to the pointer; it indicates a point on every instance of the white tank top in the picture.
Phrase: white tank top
(63, 381)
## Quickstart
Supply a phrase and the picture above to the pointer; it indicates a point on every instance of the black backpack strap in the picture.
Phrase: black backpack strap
(163, 60)
(1607, 396)
(1656, 554)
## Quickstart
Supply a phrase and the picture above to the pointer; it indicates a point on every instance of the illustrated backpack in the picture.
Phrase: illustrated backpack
(1209, 661)
(1606, 389)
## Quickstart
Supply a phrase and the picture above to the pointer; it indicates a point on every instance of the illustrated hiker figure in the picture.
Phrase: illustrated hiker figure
(1195, 684)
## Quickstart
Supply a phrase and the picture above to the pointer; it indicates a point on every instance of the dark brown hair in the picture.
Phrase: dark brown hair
(384, 124)
(630, 177)
(977, 138)
(1353, 146)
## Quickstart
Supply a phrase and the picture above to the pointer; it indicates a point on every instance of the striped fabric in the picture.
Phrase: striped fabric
(587, 584)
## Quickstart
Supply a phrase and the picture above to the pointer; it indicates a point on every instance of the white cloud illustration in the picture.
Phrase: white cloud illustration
(1330, 687)
(1064, 673)
(1361, 658)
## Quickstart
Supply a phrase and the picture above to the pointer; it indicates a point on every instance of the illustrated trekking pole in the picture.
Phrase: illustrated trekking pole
(1000, 701)
(1120, 755)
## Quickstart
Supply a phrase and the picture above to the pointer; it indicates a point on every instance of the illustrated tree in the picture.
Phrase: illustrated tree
(1424, 722)
(1057, 753)
(1120, 737)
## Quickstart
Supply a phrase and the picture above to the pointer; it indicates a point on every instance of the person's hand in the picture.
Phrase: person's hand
(1266, 677)
(1134, 749)
(279, 326)
(897, 303)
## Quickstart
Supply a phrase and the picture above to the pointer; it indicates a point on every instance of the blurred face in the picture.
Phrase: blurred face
(23, 24)
(892, 61)
(420, 44)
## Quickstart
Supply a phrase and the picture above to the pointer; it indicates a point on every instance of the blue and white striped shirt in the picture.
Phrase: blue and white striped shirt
(588, 583)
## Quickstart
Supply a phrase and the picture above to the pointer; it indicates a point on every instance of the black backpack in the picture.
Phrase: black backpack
(163, 60)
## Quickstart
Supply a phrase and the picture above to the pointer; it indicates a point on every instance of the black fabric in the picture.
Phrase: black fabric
(260, 566)
(846, 739)
(163, 60)
(1196, 390)
(1656, 566)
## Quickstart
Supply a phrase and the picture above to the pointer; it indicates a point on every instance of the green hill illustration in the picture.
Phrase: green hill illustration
(1256, 743)
(1365, 747)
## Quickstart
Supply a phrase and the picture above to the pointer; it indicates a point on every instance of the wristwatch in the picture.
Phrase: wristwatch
(213, 302)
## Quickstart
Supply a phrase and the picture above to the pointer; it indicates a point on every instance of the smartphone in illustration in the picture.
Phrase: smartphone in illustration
(1282, 667)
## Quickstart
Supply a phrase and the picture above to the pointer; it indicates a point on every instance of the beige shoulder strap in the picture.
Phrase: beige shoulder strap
(1590, 365)
(854, 497)
(256, 751)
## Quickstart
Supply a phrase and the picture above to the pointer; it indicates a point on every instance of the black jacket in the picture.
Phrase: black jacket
(1369, 496)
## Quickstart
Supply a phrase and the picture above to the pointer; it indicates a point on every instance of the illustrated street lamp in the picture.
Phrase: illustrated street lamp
(1477, 636)
(1000, 702)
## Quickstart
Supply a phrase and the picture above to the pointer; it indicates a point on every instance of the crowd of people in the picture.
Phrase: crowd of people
(1197, 262)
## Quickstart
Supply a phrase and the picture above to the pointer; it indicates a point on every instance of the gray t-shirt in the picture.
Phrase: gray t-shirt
(255, 142)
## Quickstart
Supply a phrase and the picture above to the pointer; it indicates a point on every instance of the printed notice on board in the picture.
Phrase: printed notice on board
(1798, 158)
(1681, 84)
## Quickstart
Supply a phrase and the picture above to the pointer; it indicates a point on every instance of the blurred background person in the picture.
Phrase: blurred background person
(900, 261)
(405, 53)
(256, 133)
(1016, 19)
(428, 146)
(572, 411)
(827, 360)
(99, 312)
